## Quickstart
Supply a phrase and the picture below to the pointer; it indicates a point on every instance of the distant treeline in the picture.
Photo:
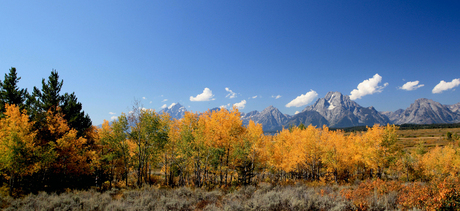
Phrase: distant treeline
(403, 127)
(430, 126)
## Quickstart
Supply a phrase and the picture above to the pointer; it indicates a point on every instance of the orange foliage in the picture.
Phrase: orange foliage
(72, 155)
(363, 194)
(439, 195)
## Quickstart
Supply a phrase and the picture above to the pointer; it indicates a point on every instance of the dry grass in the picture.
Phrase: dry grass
(264, 197)
(409, 139)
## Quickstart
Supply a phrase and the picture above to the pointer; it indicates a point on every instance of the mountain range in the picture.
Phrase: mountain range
(336, 110)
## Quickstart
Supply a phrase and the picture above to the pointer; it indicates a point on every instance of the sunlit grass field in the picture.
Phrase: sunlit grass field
(408, 139)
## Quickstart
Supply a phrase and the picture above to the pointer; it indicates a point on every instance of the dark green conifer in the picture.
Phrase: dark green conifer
(10, 92)
(49, 98)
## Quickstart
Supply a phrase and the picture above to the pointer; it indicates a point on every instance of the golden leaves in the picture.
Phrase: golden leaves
(17, 143)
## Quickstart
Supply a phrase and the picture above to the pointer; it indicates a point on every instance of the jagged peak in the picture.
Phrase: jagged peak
(174, 106)
(269, 108)
(251, 113)
(331, 95)
(331, 101)
(423, 100)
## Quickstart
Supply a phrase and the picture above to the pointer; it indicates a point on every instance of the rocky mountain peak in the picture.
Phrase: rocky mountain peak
(270, 109)
(251, 113)
(271, 118)
(334, 100)
(176, 110)
(427, 111)
(393, 116)
(175, 106)
(340, 111)
(421, 100)
(333, 96)
(455, 108)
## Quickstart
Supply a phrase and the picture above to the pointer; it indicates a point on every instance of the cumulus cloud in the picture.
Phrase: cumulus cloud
(113, 117)
(276, 97)
(368, 87)
(164, 106)
(230, 94)
(411, 85)
(241, 104)
(111, 113)
(205, 96)
(225, 106)
(144, 98)
(443, 86)
(303, 99)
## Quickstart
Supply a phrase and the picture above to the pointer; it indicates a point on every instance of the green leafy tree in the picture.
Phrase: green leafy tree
(118, 144)
(149, 131)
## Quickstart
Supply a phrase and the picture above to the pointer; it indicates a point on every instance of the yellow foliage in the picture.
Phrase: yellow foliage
(17, 143)
(440, 162)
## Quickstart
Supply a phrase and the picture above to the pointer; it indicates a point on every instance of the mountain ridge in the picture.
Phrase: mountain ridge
(336, 110)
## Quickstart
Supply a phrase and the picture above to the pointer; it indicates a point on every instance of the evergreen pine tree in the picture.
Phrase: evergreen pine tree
(10, 92)
(49, 98)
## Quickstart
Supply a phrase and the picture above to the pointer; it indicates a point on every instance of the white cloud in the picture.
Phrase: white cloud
(144, 98)
(411, 85)
(296, 112)
(164, 100)
(367, 87)
(254, 97)
(113, 117)
(225, 106)
(231, 94)
(241, 104)
(303, 99)
(205, 96)
(276, 97)
(443, 86)
(111, 113)
(164, 106)
(150, 102)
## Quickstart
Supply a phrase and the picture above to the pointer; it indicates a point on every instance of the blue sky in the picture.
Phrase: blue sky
(112, 52)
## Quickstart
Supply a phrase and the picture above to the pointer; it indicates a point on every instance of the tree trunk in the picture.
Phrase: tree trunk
(11, 181)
